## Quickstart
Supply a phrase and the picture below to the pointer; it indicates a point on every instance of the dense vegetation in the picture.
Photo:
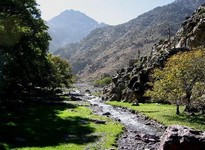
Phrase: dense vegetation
(25, 66)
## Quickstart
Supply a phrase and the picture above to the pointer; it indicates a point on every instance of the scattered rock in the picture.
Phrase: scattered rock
(148, 123)
(178, 137)
(94, 104)
(83, 122)
(147, 138)
(133, 111)
(98, 121)
(58, 91)
(70, 136)
(88, 91)
(106, 114)
(73, 98)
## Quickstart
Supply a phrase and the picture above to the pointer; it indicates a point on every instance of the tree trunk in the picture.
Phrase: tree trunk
(188, 100)
(177, 110)
(135, 103)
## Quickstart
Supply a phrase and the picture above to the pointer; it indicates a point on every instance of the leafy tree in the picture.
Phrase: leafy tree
(24, 41)
(61, 72)
(180, 79)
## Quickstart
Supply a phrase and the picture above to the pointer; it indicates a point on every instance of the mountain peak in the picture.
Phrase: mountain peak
(70, 26)
(72, 12)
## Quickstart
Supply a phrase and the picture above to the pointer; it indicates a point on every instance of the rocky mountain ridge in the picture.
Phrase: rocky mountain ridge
(130, 84)
(69, 27)
(107, 49)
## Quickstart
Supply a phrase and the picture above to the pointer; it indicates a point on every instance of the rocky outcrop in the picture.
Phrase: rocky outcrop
(130, 84)
(178, 137)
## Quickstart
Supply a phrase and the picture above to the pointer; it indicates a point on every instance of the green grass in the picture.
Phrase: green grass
(165, 114)
(41, 126)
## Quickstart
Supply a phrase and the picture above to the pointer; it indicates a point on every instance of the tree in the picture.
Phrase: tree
(179, 79)
(24, 41)
(61, 72)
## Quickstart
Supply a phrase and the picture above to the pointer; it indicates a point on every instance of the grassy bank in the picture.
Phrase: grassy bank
(33, 126)
(165, 114)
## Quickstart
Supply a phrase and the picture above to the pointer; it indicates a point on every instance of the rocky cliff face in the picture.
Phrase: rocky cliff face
(108, 49)
(131, 83)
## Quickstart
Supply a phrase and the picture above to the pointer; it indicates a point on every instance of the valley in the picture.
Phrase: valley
(74, 83)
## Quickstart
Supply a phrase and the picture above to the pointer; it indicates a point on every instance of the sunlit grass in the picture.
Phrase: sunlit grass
(107, 133)
(53, 127)
(165, 114)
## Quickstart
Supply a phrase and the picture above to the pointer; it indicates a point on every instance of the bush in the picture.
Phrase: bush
(103, 81)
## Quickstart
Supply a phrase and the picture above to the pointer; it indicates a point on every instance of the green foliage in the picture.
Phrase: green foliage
(103, 81)
(24, 45)
(180, 79)
(61, 72)
(165, 114)
(24, 62)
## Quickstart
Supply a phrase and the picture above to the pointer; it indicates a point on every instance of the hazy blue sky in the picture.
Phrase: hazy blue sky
(108, 11)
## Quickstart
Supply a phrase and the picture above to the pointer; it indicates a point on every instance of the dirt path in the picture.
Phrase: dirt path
(140, 133)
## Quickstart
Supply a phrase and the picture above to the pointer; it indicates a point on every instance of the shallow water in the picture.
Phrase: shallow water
(127, 118)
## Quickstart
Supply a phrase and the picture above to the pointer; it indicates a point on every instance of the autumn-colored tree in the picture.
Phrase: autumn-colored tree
(178, 80)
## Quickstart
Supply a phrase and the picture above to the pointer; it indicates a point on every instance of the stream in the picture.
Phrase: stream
(140, 132)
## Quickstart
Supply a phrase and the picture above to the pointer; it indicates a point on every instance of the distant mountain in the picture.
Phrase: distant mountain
(107, 49)
(69, 27)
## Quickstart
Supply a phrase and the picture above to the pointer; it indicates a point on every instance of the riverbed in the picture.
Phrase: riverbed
(140, 132)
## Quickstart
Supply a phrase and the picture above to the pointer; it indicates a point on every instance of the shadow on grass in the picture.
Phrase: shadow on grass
(151, 111)
(183, 117)
(37, 125)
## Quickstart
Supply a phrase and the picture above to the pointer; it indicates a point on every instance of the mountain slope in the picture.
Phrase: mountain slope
(131, 83)
(69, 27)
(107, 49)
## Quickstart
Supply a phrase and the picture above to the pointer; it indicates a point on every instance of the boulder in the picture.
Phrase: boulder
(106, 114)
(74, 98)
(178, 137)
(98, 121)
(88, 91)
(58, 91)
